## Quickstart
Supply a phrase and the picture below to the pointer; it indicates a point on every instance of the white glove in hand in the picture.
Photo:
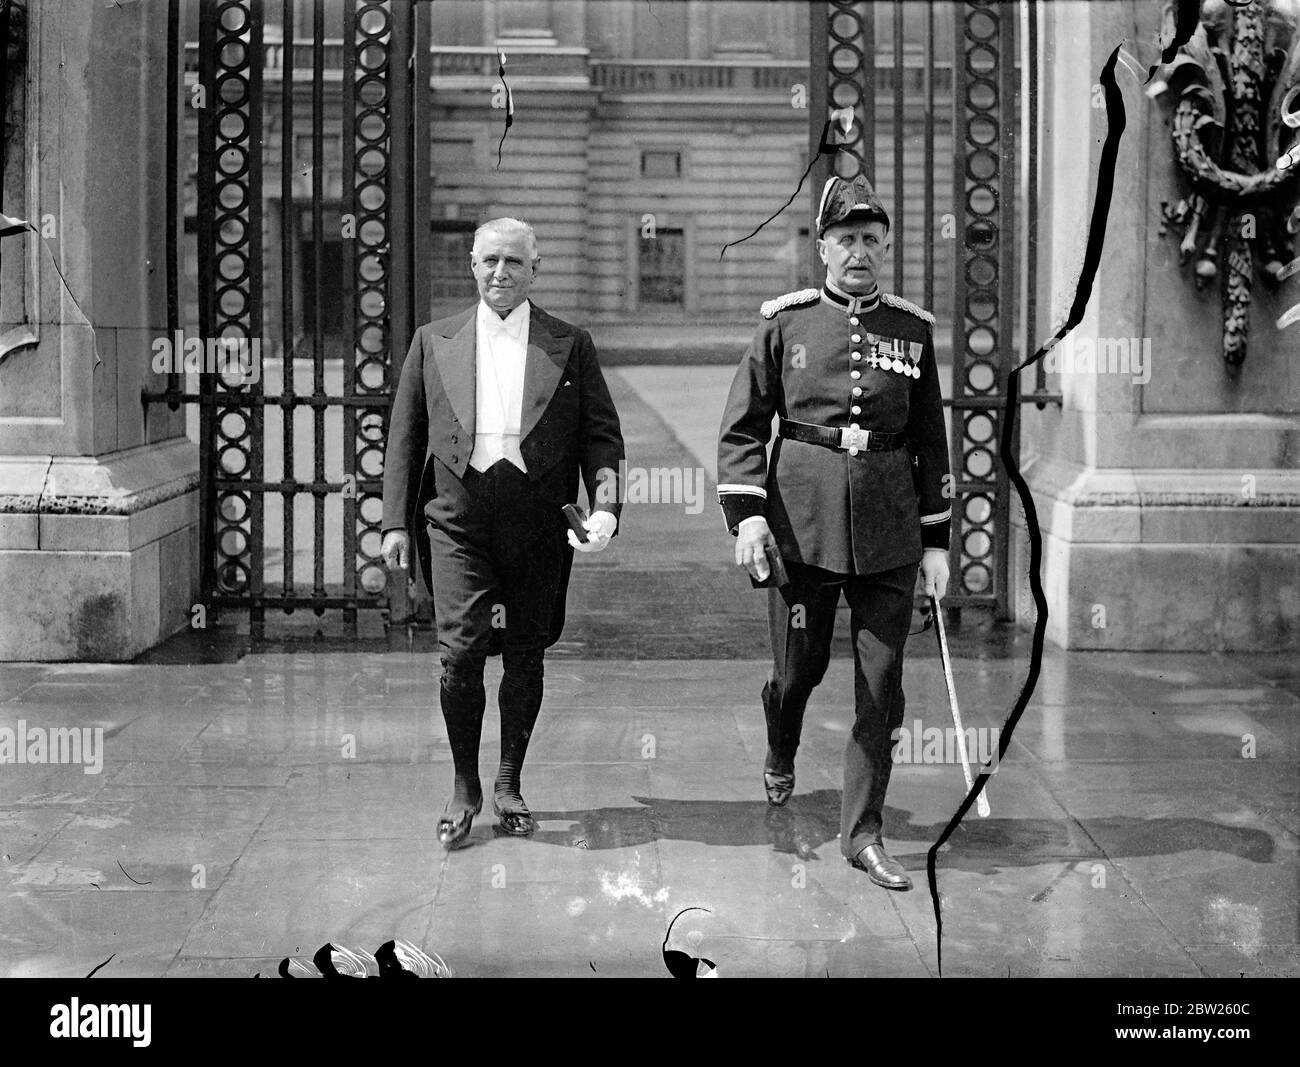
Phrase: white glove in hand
(396, 549)
(753, 536)
(600, 527)
(934, 572)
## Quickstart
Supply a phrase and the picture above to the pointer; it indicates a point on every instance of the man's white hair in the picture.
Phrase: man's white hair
(506, 227)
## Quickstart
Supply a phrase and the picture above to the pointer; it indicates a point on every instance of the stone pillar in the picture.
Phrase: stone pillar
(1168, 492)
(98, 499)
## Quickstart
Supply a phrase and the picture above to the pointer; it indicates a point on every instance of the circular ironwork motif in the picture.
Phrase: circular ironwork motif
(371, 331)
(232, 151)
(981, 320)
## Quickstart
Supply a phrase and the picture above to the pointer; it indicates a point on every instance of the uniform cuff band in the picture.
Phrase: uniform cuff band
(936, 535)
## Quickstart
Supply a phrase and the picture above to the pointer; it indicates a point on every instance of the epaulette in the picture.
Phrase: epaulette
(906, 305)
(789, 300)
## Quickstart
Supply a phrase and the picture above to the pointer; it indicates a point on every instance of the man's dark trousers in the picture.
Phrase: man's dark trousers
(802, 621)
(497, 554)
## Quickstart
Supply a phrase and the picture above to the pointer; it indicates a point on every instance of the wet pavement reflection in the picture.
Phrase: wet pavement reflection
(1144, 821)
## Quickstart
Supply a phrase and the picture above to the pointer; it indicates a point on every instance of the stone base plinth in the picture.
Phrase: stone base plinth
(98, 556)
(1180, 560)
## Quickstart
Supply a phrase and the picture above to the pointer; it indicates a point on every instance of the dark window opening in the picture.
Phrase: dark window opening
(661, 164)
(662, 264)
(457, 154)
(802, 263)
(450, 280)
(329, 311)
(331, 308)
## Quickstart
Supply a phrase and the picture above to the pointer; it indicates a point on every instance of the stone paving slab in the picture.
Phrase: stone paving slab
(1129, 836)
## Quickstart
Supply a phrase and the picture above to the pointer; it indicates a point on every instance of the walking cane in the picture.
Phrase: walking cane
(981, 801)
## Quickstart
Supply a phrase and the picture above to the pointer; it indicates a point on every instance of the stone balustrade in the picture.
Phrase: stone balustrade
(456, 65)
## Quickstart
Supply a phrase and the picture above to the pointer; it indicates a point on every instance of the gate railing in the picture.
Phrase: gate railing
(986, 132)
(246, 481)
(273, 442)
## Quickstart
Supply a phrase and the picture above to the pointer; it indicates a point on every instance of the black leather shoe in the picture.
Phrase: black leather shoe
(516, 822)
(780, 787)
(453, 829)
(881, 868)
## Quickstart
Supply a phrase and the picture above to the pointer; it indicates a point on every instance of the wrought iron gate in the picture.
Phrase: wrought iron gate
(273, 206)
(364, 221)
(981, 87)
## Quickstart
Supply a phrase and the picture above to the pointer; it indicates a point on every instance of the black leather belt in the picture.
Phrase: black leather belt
(842, 437)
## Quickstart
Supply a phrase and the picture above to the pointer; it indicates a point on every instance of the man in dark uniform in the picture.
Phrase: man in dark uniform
(855, 493)
(500, 408)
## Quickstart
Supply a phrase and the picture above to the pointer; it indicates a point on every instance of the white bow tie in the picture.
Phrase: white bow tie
(498, 326)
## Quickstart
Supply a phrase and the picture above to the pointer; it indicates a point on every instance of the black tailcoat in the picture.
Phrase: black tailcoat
(568, 428)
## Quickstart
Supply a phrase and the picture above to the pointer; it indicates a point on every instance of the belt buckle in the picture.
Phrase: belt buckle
(854, 438)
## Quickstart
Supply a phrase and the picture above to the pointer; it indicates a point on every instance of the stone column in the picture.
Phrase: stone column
(98, 501)
(1167, 491)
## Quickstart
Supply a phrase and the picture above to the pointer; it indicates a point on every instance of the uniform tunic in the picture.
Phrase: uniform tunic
(826, 358)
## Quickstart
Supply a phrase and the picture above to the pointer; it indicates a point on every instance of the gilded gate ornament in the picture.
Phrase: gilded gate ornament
(1233, 88)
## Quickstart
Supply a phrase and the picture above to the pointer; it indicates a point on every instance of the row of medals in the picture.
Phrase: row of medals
(885, 362)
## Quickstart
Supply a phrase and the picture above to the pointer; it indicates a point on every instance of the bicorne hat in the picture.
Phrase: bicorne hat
(842, 199)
